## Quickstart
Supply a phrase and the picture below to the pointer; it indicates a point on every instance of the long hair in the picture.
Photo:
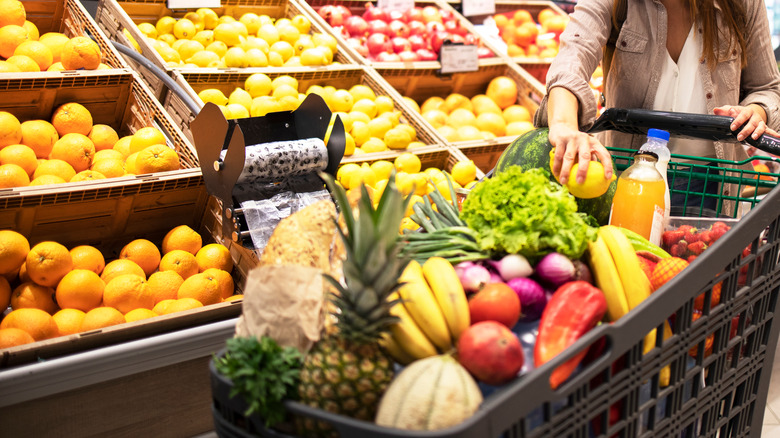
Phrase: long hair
(735, 20)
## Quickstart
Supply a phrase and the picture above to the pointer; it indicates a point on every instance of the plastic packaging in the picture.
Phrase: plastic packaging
(658, 143)
(639, 199)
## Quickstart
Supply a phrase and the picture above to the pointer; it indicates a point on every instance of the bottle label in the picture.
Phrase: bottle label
(657, 227)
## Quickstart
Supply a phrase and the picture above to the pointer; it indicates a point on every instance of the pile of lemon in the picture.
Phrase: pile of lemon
(204, 39)
(410, 179)
(371, 122)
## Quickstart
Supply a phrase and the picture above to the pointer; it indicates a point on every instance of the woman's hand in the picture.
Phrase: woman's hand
(752, 117)
(572, 146)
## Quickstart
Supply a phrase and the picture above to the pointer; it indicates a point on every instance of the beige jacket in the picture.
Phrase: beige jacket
(633, 79)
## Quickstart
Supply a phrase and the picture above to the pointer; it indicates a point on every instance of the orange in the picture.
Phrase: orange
(484, 104)
(156, 158)
(75, 149)
(58, 168)
(130, 164)
(128, 292)
(501, 20)
(72, 117)
(161, 308)
(108, 154)
(7, 67)
(12, 175)
(5, 293)
(145, 137)
(522, 16)
(182, 262)
(37, 51)
(88, 257)
(139, 314)
(32, 30)
(224, 279)
(544, 14)
(22, 274)
(103, 137)
(555, 24)
(214, 255)
(47, 180)
(29, 295)
(491, 122)
(55, 41)
(80, 289)
(143, 252)
(109, 167)
(235, 297)
(121, 267)
(10, 129)
(25, 63)
(525, 34)
(39, 135)
(80, 53)
(87, 175)
(516, 113)
(503, 90)
(101, 317)
(11, 36)
(202, 287)
(13, 252)
(13, 12)
(48, 262)
(39, 324)
(164, 285)
(13, 337)
(68, 321)
(182, 304)
(20, 155)
(184, 238)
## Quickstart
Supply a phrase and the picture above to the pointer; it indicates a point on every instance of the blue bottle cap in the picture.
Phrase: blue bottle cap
(658, 133)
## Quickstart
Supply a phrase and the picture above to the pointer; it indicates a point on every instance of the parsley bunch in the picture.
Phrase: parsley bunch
(263, 373)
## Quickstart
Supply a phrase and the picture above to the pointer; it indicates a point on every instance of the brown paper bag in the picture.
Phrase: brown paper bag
(285, 302)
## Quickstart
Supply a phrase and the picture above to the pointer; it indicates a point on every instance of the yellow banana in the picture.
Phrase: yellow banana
(635, 283)
(396, 352)
(408, 335)
(666, 372)
(446, 287)
(419, 301)
(607, 278)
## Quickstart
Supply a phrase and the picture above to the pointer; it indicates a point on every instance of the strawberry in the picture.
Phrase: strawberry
(691, 258)
(706, 237)
(684, 228)
(717, 232)
(678, 249)
(691, 235)
(697, 247)
(665, 270)
(671, 237)
(720, 225)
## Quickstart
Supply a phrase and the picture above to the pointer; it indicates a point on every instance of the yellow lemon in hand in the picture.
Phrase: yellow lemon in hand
(594, 185)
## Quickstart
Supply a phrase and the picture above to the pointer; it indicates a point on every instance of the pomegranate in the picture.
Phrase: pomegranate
(378, 26)
(356, 26)
(414, 14)
(438, 39)
(397, 28)
(388, 57)
(400, 44)
(431, 13)
(374, 13)
(396, 15)
(490, 352)
(408, 56)
(378, 43)
(417, 42)
(426, 55)
(417, 28)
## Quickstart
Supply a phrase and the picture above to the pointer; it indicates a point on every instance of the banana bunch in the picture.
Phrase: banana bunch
(433, 311)
(619, 275)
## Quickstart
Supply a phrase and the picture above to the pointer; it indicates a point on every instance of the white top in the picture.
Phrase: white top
(680, 91)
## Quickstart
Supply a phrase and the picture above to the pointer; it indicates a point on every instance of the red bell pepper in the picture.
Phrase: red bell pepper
(574, 309)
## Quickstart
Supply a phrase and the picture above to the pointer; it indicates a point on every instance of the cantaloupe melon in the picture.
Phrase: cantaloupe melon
(431, 393)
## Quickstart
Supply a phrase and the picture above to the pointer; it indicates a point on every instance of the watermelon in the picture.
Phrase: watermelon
(532, 150)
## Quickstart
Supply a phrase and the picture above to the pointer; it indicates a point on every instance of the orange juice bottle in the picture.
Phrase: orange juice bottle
(639, 199)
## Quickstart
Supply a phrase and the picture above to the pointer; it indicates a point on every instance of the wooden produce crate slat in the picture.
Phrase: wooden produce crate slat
(113, 16)
(196, 80)
(71, 18)
(485, 154)
(117, 98)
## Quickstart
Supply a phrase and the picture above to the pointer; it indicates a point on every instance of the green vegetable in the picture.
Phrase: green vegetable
(525, 213)
(263, 373)
(641, 244)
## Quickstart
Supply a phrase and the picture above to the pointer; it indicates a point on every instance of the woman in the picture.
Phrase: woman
(694, 56)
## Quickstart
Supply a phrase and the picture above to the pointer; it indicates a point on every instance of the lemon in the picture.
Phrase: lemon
(374, 144)
(408, 224)
(214, 96)
(407, 162)
(301, 23)
(363, 175)
(285, 90)
(315, 89)
(321, 39)
(349, 144)
(225, 19)
(237, 111)
(210, 18)
(132, 40)
(463, 172)
(269, 33)
(412, 200)
(189, 48)
(346, 120)
(461, 117)
(165, 25)
(366, 106)
(288, 33)
(341, 101)
(258, 84)
(379, 187)
(302, 43)
(358, 116)
(283, 48)
(295, 61)
(383, 104)
(411, 103)
(281, 22)
(449, 133)
(253, 42)
(184, 28)
(263, 105)
(345, 173)
(314, 56)
(275, 59)
(167, 38)
(444, 188)
(168, 54)
(240, 28)
(409, 129)
(360, 132)
(379, 127)
(204, 37)
(360, 91)
(594, 185)
(227, 33)
(148, 29)
(471, 185)
(382, 169)
(284, 79)
(416, 144)
(404, 182)
(241, 97)
(197, 20)
(518, 128)
(468, 133)
(235, 57)
(289, 103)
(251, 21)
(397, 138)
(491, 122)
(256, 58)
(393, 116)
(421, 187)
(218, 47)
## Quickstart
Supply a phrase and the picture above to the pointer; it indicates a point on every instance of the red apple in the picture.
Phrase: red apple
(490, 352)
(453, 26)
(400, 44)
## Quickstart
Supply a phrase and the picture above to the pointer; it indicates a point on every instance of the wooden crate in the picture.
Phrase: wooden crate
(113, 16)
(485, 153)
(196, 80)
(71, 18)
(110, 220)
(117, 98)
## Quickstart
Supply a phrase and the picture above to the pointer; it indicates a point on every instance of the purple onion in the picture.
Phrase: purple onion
(533, 297)
(555, 269)
(473, 277)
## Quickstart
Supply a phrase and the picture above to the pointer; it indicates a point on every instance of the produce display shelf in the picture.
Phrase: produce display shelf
(117, 98)
(719, 362)
(114, 16)
(485, 153)
(195, 80)
(72, 19)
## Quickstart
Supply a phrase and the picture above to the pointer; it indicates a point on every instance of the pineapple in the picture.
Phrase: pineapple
(347, 372)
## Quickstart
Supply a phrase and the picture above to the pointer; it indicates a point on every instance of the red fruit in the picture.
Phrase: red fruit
(490, 352)
(720, 225)
(697, 247)
(666, 269)
(691, 258)
(698, 303)
(691, 235)
(706, 237)
(716, 233)
(647, 266)
(684, 228)
(495, 302)
(679, 249)
(671, 237)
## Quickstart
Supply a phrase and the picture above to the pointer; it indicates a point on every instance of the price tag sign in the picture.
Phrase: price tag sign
(478, 7)
(193, 4)
(456, 58)
(395, 5)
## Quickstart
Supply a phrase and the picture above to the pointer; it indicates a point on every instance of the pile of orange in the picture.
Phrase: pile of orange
(70, 148)
(23, 49)
(55, 291)
(526, 37)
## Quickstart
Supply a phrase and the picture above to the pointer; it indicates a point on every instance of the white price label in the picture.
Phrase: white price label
(193, 4)
(478, 7)
(457, 58)
(395, 5)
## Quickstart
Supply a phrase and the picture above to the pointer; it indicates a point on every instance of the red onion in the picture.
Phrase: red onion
(555, 269)
(532, 297)
(472, 276)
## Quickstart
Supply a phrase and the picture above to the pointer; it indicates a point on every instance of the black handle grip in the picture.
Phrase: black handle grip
(766, 143)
